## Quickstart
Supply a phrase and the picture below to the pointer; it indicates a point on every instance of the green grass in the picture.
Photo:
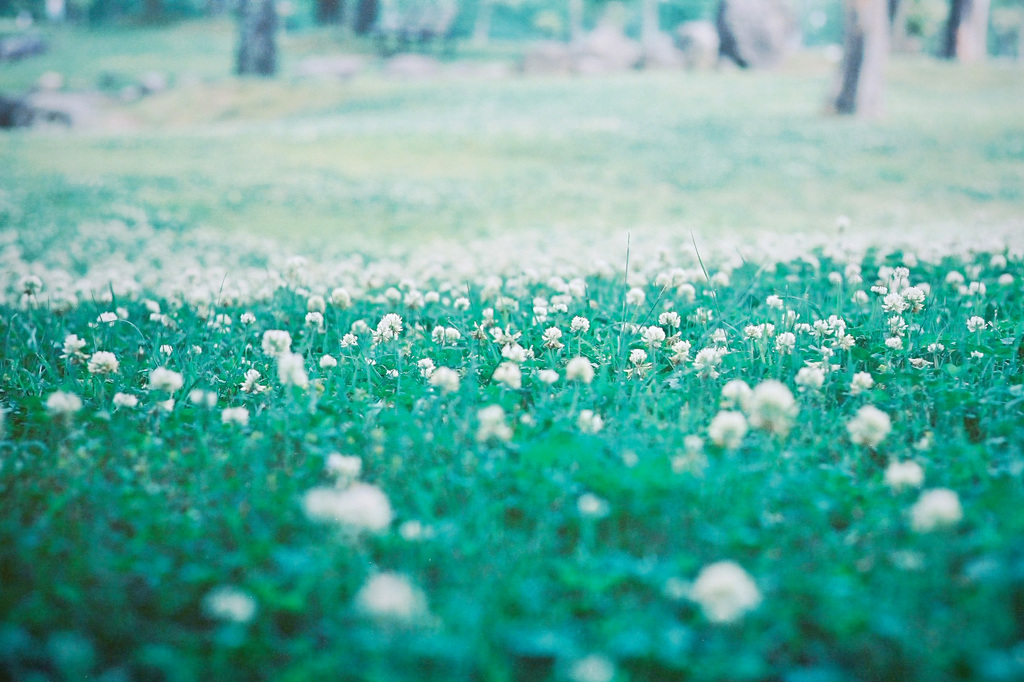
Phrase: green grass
(121, 526)
(656, 153)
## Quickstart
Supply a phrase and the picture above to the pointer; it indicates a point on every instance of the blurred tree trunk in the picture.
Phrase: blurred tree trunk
(967, 31)
(257, 48)
(649, 22)
(366, 16)
(862, 70)
(575, 20)
(482, 26)
(899, 11)
(328, 11)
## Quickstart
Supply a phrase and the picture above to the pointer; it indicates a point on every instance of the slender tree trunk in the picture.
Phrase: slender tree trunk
(898, 14)
(966, 36)
(575, 20)
(257, 47)
(649, 22)
(862, 70)
(482, 27)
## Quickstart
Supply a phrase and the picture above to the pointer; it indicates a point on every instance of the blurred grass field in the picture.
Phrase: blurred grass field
(378, 161)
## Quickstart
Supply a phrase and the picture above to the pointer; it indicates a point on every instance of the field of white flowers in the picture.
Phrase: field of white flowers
(784, 458)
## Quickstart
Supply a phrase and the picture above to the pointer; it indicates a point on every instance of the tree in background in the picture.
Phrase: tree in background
(865, 48)
(257, 46)
(966, 36)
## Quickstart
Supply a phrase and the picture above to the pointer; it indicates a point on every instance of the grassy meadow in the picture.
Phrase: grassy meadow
(654, 376)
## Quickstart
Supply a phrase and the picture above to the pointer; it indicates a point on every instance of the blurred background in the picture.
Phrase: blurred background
(387, 123)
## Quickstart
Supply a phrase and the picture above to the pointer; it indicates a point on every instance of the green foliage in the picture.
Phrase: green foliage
(121, 522)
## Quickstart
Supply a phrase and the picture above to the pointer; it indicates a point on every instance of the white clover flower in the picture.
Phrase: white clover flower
(361, 507)
(637, 356)
(163, 379)
(201, 398)
(235, 415)
(63, 404)
(869, 426)
(652, 336)
(635, 296)
(166, 349)
(125, 400)
(547, 376)
(774, 301)
(860, 297)
(725, 592)
(680, 352)
(727, 429)
(552, 338)
(513, 352)
(835, 278)
(707, 361)
(349, 340)
(669, 319)
(344, 468)
(492, 424)
(251, 383)
(589, 421)
(276, 342)
(935, 509)
(976, 324)
(579, 369)
(445, 380)
(461, 303)
(894, 343)
(734, 393)
(785, 342)
(592, 668)
(894, 303)
(107, 317)
(391, 597)
(388, 329)
(426, 367)
(247, 318)
(328, 361)
(316, 304)
(771, 407)
(686, 292)
(291, 370)
(509, 374)
(166, 405)
(862, 381)
(907, 474)
(591, 506)
(915, 297)
(103, 362)
(810, 379)
(720, 279)
(315, 320)
(341, 298)
(73, 346)
(230, 604)
(1005, 279)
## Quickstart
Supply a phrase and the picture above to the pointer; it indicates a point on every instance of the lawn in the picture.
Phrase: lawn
(379, 159)
(366, 381)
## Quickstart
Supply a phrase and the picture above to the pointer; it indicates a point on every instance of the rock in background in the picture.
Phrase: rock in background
(756, 33)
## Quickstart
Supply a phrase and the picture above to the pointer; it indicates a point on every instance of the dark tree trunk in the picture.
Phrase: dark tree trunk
(862, 71)
(257, 48)
(366, 16)
(966, 36)
(328, 11)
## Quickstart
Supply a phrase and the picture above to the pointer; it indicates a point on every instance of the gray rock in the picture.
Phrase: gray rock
(756, 33)
(21, 46)
(153, 82)
(698, 43)
(660, 52)
(607, 49)
(341, 66)
(412, 66)
(548, 57)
